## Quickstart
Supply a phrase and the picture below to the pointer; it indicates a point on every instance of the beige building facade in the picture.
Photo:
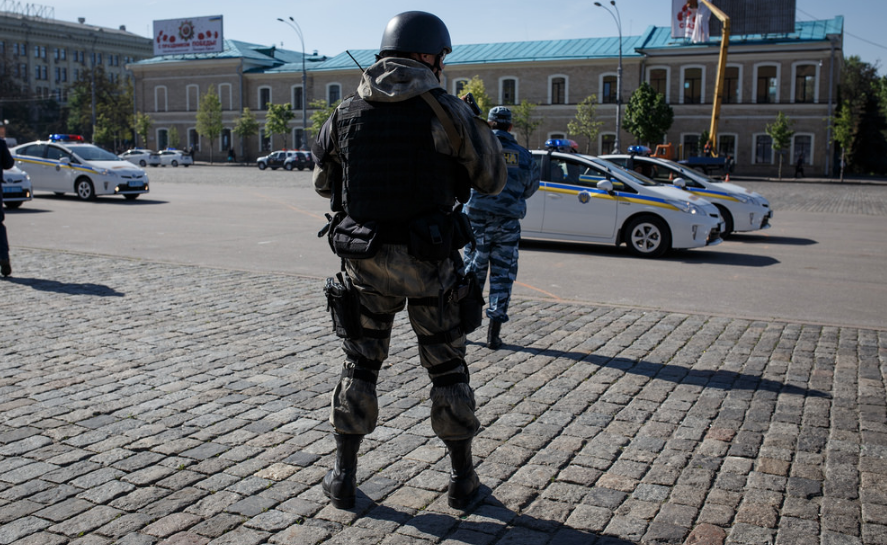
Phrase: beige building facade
(796, 74)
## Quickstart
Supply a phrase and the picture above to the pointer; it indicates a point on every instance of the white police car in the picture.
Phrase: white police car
(742, 209)
(65, 164)
(586, 199)
(16, 187)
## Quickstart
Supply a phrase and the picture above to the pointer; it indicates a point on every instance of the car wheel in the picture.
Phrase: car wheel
(288, 166)
(728, 221)
(647, 236)
(143, 163)
(301, 168)
(131, 196)
(262, 166)
(13, 205)
(175, 163)
(83, 188)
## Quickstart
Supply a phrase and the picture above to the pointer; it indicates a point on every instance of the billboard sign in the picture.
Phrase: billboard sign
(188, 35)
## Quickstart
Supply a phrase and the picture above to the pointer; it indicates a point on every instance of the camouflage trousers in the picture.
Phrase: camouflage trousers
(385, 283)
(497, 250)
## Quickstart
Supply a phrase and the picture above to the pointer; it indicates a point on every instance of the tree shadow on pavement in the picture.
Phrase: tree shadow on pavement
(65, 287)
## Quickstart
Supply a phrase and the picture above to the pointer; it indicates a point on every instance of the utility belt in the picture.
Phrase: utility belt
(429, 237)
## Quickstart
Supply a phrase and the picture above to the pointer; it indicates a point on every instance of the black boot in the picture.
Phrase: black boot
(340, 483)
(463, 479)
(493, 340)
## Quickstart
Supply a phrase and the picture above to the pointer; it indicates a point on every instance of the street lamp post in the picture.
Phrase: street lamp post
(618, 18)
(295, 26)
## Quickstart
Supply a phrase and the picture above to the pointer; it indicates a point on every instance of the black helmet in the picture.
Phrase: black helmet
(416, 32)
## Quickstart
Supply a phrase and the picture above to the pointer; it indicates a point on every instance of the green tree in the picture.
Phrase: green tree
(476, 87)
(113, 107)
(862, 88)
(209, 119)
(586, 123)
(172, 138)
(277, 120)
(843, 131)
(246, 126)
(647, 116)
(322, 112)
(522, 119)
(141, 123)
(781, 132)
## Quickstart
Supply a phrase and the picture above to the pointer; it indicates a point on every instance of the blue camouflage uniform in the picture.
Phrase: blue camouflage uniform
(495, 220)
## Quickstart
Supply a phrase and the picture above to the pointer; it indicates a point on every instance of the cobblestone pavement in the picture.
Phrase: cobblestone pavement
(146, 403)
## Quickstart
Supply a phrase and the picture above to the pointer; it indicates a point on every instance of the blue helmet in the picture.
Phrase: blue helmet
(500, 114)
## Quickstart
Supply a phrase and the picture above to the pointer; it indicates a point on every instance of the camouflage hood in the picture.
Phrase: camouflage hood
(395, 80)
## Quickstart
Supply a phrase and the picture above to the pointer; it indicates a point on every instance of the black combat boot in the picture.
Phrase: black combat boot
(340, 483)
(5, 267)
(463, 479)
(493, 340)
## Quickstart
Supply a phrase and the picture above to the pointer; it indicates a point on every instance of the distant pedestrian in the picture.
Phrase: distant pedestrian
(495, 221)
(6, 162)
(799, 166)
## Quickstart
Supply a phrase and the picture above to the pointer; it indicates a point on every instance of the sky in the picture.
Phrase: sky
(332, 26)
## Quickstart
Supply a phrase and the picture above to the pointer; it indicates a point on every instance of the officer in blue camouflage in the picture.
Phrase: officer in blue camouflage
(495, 220)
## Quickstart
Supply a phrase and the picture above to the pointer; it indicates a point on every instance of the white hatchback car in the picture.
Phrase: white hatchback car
(174, 158)
(742, 209)
(83, 169)
(141, 157)
(16, 187)
(586, 199)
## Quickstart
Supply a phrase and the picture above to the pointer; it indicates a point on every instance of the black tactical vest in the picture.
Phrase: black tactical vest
(392, 172)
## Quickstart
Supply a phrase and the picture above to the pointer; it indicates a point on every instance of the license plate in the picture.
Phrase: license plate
(135, 184)
(13, 189)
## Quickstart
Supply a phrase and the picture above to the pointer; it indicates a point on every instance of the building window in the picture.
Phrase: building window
(264, 98)
(691, 145)
(162, 139)
(160, 101)
(727, 145)
(298, 139)
(608, 143)
(767, 85)
(731, 85)
(192, 98)
(558, 90)
(334, 93)
(459, 86)
(659, 81)
(802, 144)
(225, 140)
(193, 139)
(226, 98)
(508, 92)
(608, 89)
(763, 149)
(693, 86)
(298, 96)
(805, 83)
(264, 140)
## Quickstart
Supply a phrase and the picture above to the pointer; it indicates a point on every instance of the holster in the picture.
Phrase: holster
(468, 293)
(343, 303)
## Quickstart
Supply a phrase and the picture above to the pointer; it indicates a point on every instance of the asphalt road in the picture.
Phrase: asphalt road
(822, 262)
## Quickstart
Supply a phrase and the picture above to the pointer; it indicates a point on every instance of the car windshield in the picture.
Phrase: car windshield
(635, 176)
(88, 152)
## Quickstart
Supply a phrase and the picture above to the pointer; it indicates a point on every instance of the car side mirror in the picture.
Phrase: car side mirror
(605, 185)
(65, 160)
(679, 182)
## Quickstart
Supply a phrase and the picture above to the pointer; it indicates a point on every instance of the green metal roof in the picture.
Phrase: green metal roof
(271, 60)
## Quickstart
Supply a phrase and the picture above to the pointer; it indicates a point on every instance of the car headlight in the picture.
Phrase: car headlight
(744, 199)
(687, 207)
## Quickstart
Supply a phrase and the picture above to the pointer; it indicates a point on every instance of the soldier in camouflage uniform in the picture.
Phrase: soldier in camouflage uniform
(393, 157)
(495, 220)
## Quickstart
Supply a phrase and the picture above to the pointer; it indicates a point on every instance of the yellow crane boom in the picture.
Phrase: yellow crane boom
(721, 75)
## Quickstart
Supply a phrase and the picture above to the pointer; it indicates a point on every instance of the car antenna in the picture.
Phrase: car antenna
(355, 61)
